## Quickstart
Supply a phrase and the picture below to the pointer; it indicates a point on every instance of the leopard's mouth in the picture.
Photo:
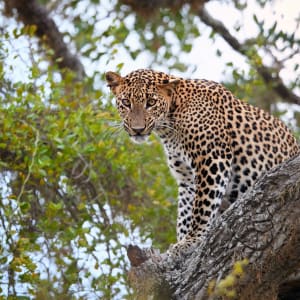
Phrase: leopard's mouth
(139, 138)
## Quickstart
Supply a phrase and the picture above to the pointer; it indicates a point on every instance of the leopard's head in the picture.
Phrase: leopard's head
(143, 99)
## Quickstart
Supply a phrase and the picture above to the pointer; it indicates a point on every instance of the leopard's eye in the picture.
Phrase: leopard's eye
(126, 102)
(150, 102)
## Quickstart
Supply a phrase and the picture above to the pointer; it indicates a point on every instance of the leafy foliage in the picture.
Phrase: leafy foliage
(74, 189)
(226, 287)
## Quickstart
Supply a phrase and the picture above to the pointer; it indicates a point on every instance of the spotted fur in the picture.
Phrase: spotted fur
(216, 145)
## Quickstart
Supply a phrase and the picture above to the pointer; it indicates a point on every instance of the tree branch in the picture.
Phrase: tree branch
(147, 9)
(263, 227)
(270, 77)
(30, 12)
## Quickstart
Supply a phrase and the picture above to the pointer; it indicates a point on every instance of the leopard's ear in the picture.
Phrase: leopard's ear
(167, 88)
(113, 80)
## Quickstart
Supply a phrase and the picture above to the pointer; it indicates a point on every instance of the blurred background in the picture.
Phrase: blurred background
(74, 191)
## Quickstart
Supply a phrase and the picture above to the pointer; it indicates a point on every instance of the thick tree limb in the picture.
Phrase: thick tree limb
(148, 8)
(270, 77)
(30, 12)
(263, 227)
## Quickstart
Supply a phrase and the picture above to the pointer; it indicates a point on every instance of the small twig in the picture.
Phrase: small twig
(36, 142)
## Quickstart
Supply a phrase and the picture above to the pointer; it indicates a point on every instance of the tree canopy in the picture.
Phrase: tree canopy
(74, 190)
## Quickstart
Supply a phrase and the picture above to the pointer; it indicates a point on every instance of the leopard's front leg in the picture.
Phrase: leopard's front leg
(186, 194)
(212, 175)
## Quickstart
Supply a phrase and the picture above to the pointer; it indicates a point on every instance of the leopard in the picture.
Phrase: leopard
(217, 146)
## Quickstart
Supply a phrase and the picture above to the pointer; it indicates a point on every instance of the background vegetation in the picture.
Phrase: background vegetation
(74, 190)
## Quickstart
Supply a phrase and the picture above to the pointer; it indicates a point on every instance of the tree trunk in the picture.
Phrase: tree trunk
(249, 253)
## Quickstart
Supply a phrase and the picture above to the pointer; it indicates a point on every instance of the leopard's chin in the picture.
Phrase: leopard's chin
(139, 139)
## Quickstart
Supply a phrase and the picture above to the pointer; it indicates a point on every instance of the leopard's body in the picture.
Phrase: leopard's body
(217, 146)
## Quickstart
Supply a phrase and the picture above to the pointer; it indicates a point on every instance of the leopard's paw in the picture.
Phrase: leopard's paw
(183, 247)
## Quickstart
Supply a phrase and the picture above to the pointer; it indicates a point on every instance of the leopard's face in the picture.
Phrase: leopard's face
(143, 104)
(141, 111)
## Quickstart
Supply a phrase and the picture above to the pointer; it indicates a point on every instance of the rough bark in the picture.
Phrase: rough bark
(262, 227)
(30, 12)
